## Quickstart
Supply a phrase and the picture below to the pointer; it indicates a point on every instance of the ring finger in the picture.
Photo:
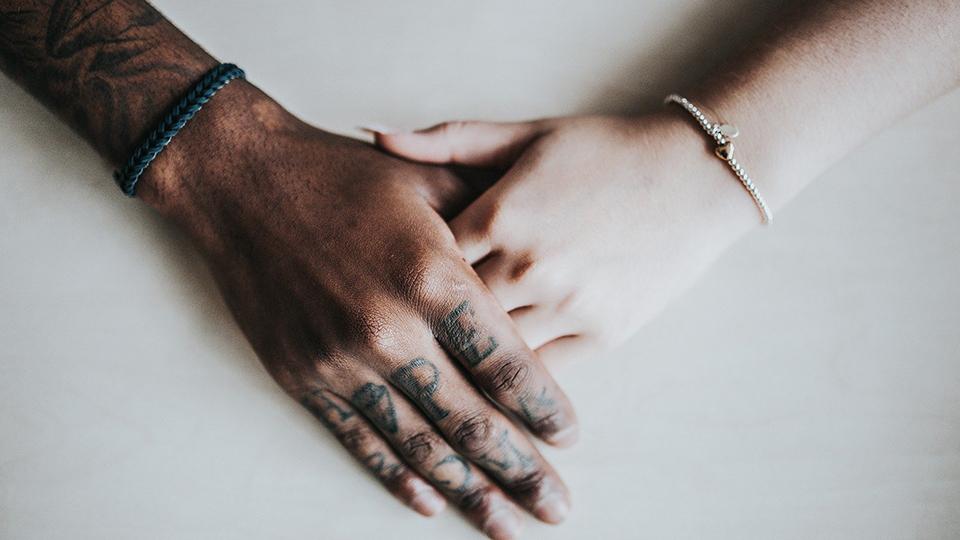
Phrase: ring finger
(425, 450)
(482, 434)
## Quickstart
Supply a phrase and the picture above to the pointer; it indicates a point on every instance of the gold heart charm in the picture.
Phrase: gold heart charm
(725, 151)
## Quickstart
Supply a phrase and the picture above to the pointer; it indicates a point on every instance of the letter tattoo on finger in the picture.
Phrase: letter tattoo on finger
(461, 336)
(420, 379)
(375, 401)
(326, 410)
(506, 456)
(453, 474)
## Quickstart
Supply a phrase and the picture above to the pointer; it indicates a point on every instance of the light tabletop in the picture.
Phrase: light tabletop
(808, 387)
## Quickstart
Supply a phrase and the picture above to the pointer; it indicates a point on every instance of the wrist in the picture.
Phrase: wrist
(715, 205)
(769, 139)
(225, 134)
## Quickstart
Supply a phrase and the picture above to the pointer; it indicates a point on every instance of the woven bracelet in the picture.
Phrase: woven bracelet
(172, 123)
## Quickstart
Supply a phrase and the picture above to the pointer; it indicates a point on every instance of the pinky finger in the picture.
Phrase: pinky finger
(364, 443)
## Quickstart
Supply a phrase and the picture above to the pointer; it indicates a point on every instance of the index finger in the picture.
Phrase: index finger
(476, 331)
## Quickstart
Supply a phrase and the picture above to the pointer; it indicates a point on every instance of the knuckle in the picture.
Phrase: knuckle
(372, 330)
(523, 268)
(549, 423)
(509, 377)
(474, 435)
(530, 484)
(476, 499)
(355, 439)
(487, 221)
(420, 276)
(419, 447)
(398, 479)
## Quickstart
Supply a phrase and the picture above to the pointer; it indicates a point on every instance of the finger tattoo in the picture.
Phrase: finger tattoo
(375, 401)
(452, 474)
(506, 456)
(326, 410)
(420, 379)
(537, 408)
(460, 334)
(379, 464)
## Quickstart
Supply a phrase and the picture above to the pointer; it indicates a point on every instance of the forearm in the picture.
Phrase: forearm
(829, 76)
(109, 68)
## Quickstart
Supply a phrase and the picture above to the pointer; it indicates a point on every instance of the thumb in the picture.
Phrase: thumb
(472, 144)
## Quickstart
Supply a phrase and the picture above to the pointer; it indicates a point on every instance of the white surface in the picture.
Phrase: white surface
(809, 387)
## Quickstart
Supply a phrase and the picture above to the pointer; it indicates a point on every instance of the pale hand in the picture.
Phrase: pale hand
(596, 223)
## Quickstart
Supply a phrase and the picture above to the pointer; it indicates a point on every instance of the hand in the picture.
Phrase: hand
(596, 223)
(345, 278)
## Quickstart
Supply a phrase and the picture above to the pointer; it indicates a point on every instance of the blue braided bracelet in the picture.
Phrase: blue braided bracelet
(172, 123)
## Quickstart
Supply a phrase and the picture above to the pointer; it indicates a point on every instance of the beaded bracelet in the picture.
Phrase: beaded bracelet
(172, 123)
(722, 134)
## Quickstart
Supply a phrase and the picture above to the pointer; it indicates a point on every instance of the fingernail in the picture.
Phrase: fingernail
(379, 129)
(565, 437)
(552, 509)
(502, 524)
(427, 502)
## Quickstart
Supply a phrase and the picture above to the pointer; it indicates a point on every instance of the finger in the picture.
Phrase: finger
(563, 351)
(476, 331)
(482, 434)
(539, 325)
(473, 243)
(426, 451)
(474, 144)
(449, 192)
(480, 229)
(363, 442)
(518, 280)
(497, 271)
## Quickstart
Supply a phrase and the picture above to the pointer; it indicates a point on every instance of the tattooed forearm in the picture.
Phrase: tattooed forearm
(375, 402)
(108, 67)
(420, 379)
(460, 335)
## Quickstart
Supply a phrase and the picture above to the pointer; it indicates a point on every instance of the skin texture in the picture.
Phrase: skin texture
(620, 235)
(638, 207)
(97, 64)
(337, 265)
(334, 257)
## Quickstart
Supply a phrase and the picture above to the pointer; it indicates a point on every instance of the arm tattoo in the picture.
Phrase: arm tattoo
(108, 67)
(420, 379)
(375, 402)
(462, 338)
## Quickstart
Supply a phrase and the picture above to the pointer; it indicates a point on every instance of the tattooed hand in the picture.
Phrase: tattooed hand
(332, 255)
(349, 285)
